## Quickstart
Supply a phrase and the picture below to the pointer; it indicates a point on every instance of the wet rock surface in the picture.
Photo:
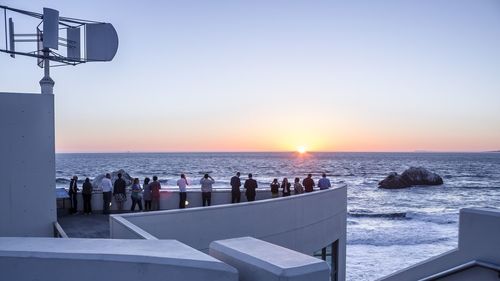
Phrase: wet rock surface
(411, 177)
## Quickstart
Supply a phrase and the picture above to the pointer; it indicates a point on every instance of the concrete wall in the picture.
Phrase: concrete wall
(127, 230)
(304, 223)
(259, 260)
(475, 273)
(107, 259)
(27, 164)
(478, 240)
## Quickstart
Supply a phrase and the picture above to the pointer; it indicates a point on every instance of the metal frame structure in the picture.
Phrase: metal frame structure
(46, 53)
(100, 41)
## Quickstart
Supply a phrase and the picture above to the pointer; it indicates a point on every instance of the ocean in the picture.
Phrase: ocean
(387, 230)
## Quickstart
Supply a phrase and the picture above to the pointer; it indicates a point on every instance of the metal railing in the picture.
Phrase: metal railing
(59, 231)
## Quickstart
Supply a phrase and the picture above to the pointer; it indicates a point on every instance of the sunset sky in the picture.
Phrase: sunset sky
(277, 75)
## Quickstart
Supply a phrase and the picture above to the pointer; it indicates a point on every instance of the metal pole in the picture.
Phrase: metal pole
(46, 84)
(5, 22)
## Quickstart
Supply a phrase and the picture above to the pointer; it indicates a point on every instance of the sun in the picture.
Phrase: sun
(301, 149)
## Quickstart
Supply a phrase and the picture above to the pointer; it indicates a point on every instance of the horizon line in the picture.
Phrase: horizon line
(281, 151)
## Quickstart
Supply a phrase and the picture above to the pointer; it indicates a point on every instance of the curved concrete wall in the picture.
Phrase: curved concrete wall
(304, 223)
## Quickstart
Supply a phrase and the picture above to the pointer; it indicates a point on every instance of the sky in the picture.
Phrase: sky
(358, 75)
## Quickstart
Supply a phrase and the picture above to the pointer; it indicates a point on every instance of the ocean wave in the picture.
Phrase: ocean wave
(406, 241)
(444, 218)
(395, 215)
(62, 180)
(476, 187)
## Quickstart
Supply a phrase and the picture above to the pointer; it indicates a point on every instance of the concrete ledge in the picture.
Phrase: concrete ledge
(107, 259)
(259, 260)
(478, 239)
(126, 230)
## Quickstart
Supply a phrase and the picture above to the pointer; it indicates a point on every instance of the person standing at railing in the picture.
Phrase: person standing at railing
(87, 197)
(136, 195)
(155, 194)
(119, 192)
(146, 195)
(324, 182)
(297, 187)
(106, 187)
(73, 191)
(250, 186)
(286, 187)
(206, 189)
(235, 188)
(308, 183)
(275, 188)
(182, 183)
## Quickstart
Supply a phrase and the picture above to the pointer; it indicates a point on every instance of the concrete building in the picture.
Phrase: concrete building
(27, 164)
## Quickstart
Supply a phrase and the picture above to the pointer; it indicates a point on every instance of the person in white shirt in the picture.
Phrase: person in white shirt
(106, 186)
(206, 189)
(182, 183)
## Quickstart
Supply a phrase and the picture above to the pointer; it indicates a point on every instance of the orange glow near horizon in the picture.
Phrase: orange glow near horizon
(301, 149)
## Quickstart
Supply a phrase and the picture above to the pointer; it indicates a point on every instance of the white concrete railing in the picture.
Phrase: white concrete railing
(259, 260)
(128, 229)
(305, 223)
(478, 240)
(26, 259)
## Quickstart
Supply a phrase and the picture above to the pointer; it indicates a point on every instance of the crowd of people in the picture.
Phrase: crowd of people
(149, 192)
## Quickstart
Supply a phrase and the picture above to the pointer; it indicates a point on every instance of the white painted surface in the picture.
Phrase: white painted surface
(259, 260)
(27, 164)
(101, 42)
(304, 223)
(478, 239)
(127, 230)
(105, 259)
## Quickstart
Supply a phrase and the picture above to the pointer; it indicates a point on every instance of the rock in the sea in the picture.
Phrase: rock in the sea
(421, 176)
(96, 183)
(410, 177)
(393, 180)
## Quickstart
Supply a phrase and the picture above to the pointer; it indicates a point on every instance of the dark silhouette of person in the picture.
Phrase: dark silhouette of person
(275, 188)
(250, 186)
(155, 187)
(235, 188)
(87, 197)
(119, 192)
(146, 194)
(73, 189)
(308, 183)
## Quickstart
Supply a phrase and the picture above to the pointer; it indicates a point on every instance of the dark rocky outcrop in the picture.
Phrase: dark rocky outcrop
(96, 183)
(410, 177)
